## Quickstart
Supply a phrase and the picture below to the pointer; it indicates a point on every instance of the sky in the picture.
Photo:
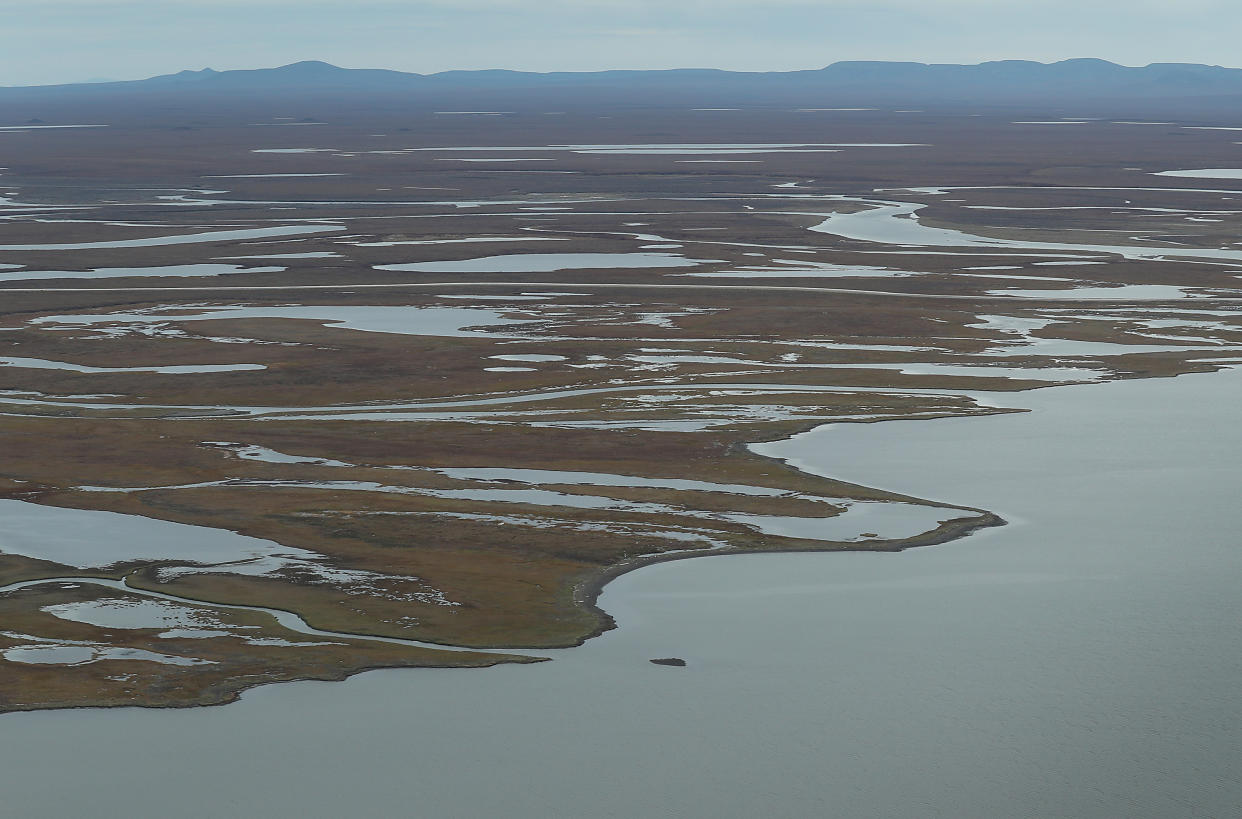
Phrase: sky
(55, 41)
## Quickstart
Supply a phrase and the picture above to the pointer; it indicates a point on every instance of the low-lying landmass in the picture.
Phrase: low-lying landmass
(405, 389)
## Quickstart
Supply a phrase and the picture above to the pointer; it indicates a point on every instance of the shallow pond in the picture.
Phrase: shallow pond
(547, 263)
(177, 270)
(897, 223)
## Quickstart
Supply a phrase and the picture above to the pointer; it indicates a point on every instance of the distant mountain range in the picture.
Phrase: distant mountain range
(843, 83)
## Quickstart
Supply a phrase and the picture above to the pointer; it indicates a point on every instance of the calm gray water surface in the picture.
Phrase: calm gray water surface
(1082, 662)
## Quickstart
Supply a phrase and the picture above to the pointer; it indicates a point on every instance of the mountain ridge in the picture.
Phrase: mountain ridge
(844, 83)
(319, 70)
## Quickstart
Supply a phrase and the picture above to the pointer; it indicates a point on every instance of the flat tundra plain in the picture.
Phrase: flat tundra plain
(406, 388)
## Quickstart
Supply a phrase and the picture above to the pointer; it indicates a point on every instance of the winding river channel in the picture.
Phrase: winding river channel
(1081, 662)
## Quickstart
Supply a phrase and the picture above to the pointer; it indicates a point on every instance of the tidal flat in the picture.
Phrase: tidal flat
(469, 396)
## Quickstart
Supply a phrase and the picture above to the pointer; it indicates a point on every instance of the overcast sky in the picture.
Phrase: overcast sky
(50, 41)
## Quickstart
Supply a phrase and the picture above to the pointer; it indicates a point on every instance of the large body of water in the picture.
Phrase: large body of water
(1084, 661)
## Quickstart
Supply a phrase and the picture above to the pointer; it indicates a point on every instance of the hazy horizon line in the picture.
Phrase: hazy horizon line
(821, 67)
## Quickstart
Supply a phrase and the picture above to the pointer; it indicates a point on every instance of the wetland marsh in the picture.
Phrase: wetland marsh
(399, 447)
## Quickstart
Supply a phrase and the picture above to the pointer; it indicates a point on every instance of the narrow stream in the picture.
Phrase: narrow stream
(287, 619)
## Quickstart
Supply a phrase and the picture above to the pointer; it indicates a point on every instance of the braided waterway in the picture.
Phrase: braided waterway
(1081, 661)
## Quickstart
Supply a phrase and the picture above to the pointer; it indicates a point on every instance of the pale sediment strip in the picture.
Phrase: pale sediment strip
(1060, 295)
(198, 412)
(186, 238)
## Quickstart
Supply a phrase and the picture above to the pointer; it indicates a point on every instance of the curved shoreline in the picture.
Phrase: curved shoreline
(588, 591)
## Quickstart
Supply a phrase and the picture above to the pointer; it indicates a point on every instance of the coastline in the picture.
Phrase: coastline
(585, 593)
(1020, 655)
